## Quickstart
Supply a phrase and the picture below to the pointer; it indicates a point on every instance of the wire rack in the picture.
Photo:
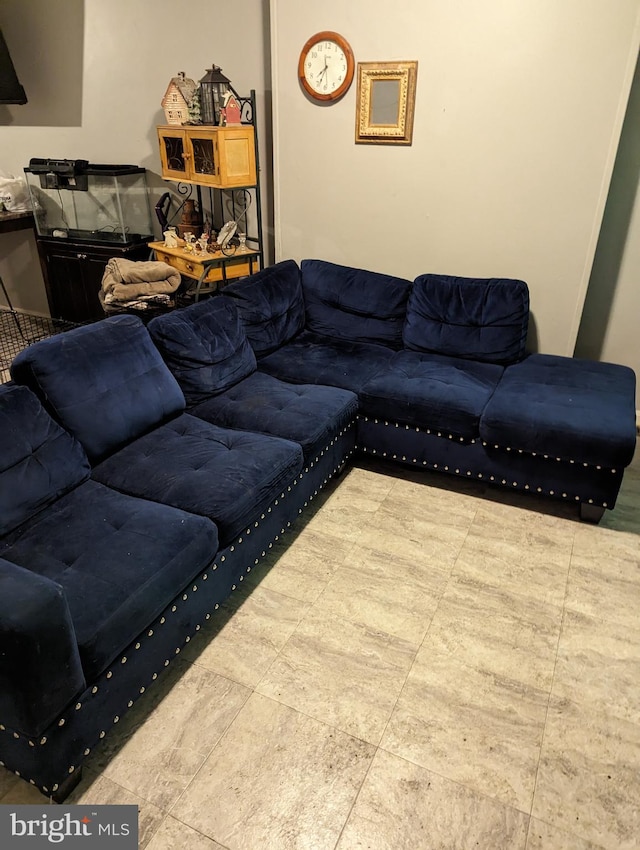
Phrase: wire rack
(18, 330)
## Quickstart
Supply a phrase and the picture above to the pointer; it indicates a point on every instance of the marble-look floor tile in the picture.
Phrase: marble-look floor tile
(304, 567)
(519, 552)
(544, 837)
(174, 835)
(428, 533)
(431, 504)
(496, 631)
(385, 593)
(440, 492)
(589, 776)
(278, 779)
(605, 544)
(599, 665)
(252, 626)
(340, 672)
(362, 490)
(100, 791)
(473, 727)
(401, 805)
(345, 510)
(604, 587)
(156, 754)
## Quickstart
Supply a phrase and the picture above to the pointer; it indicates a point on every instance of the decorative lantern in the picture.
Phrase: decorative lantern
(213, 87)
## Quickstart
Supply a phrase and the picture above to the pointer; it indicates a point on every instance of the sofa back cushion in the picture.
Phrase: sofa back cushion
(39, 461)
(105, 382)
(205, 347)
(353, 304)
(475, 318)
(270, 305)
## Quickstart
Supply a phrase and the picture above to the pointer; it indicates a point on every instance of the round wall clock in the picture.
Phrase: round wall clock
(326, 66)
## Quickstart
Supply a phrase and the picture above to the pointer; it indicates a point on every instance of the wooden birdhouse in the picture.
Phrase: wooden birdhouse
(177, 99)
(231, 110)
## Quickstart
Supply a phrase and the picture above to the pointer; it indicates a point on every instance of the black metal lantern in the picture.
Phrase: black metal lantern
(213, 87)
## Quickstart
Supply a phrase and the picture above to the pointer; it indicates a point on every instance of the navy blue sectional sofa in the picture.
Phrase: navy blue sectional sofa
(145, 471)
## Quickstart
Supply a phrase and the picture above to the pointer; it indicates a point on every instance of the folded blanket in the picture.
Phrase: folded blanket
(125, 280)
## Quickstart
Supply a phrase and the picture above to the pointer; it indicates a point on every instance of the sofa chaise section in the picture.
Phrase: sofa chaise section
(550, 425)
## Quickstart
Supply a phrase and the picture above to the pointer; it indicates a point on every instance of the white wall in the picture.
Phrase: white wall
(518, 113)
(130, 50)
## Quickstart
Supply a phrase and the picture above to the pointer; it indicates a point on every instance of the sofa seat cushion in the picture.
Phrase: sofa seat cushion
(228, 476)
(314, 359)
(443, 394)
(39, 461)
(119, 560)
(271, 305)
(477, 318)
(308, 414)
(105, 382)
(564, 407)
(354, 305)
(204, 346)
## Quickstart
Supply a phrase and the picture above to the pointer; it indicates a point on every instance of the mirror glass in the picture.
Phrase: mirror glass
(385, 101)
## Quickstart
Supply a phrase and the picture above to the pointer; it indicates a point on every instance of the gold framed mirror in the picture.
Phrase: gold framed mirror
(385, 102)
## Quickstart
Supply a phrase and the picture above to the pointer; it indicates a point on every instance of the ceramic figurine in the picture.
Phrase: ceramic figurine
(170, 238)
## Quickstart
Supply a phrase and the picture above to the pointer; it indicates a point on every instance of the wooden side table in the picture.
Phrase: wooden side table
(211, 271)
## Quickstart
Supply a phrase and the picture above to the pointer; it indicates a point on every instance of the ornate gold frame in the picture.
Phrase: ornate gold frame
(399, 132)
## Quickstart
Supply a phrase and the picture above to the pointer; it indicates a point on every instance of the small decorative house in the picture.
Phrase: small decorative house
(177, 99)
(231, 110)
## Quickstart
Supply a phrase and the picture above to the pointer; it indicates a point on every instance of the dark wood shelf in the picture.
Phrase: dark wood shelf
(10, 221)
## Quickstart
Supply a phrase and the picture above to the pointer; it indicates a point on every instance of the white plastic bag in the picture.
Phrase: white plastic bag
(14, 194)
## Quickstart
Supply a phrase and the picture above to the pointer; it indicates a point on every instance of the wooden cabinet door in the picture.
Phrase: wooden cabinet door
(236, 156)
(174, 155)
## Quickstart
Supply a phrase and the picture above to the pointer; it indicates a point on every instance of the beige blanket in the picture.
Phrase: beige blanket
(126, 280)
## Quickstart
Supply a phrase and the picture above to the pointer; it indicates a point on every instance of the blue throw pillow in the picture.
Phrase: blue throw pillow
(39, 461)
(205, 347)
(105, 382)
(475, 318)
(270, 305)
(353, 304)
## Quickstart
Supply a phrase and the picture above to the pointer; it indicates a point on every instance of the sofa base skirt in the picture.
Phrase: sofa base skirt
(51, 761)
(513, 469)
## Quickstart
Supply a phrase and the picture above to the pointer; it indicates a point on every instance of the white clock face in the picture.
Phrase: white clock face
(325, 67)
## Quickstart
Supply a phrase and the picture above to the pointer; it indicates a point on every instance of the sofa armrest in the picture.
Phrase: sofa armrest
(40, 669)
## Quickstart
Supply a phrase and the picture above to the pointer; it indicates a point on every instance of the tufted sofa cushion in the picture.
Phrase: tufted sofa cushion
(226, 475)
(482, 319)
(446, 394)
(578, 410)
(354, 305)
(271, 306)
(314, 359)
(118, 560)
(205, 347)
(39, 461)
(105, 382)
(307, 414)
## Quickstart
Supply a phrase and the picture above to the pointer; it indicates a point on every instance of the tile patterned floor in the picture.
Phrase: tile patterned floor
(428, 665)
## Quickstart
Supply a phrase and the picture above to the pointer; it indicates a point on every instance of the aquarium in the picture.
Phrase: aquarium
(79, 200)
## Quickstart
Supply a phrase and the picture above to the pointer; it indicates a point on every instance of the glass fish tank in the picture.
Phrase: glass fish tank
(83, 201)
